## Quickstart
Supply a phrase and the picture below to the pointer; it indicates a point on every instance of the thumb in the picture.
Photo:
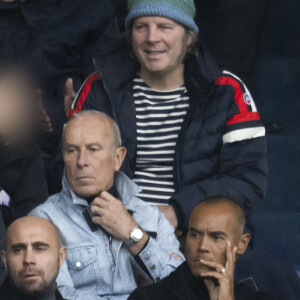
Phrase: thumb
(69, 87)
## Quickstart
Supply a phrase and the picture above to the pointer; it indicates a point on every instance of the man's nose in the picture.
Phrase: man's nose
(82, 159)
(153, 34)
(203, 244)
(29, 257)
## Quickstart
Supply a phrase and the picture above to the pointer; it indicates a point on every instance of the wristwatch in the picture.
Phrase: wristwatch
(136, 234)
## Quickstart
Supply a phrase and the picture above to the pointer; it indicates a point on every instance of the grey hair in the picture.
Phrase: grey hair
(100, 115)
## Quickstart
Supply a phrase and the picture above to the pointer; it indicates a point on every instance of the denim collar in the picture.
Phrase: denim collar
(127, 191)
(125, 187)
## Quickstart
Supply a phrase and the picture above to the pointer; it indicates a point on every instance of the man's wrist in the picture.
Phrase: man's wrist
(136, 245)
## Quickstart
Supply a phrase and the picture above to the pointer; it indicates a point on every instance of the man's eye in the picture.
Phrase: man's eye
(94, 149)
(41, 248)
(139, 27)
(17, 250)
(218, 238)
(193, 234)
(70, 151)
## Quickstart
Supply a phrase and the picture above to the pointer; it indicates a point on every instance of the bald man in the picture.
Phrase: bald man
(32, 257)
(215, 237)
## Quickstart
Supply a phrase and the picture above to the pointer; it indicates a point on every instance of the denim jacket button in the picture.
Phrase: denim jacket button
(146, 257)
(152, 267)
(78, 264)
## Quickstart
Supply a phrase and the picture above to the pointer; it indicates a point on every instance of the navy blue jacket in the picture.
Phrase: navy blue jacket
(221, 148)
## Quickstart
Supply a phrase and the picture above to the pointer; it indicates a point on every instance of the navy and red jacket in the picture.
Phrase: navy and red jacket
(221, 148)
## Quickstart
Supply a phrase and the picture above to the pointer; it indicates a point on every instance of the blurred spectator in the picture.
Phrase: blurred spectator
(22, 179)
(57, 40)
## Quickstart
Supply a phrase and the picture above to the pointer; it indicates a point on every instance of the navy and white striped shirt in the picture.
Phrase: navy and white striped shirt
(160, 115)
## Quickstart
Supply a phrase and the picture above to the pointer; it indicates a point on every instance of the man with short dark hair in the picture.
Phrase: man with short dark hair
(215, 237)
(32, 257)
(112, 236)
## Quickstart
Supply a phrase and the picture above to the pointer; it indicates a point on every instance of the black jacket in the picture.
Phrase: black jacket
(207, 161)
(182, 285)
(22, 177)
(8, 293)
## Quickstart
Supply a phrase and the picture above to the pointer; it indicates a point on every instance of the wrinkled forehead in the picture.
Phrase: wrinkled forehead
(211, 218)
(88, 130)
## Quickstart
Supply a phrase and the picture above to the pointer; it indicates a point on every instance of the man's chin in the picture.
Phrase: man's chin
(36, 289)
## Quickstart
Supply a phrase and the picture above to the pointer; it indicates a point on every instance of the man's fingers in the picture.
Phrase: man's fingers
(213, 274)
(107, 196)
(69, 88)
(230, 256)
(212, 264)
(98, 202)
(234, 254)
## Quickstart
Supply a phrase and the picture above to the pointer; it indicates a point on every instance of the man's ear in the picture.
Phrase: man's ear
(243, 243)
(62, 255)
(120, 154)
(189, 40)
(3, 256)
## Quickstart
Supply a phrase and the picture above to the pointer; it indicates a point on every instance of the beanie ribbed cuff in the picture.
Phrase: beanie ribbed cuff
(162, 10)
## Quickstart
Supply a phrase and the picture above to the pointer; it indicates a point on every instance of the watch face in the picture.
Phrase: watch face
(137, 234)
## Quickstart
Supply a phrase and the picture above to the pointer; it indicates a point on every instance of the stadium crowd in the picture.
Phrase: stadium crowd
(133, 162)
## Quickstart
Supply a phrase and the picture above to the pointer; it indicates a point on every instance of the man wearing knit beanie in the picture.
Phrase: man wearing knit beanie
(191, 131)
(181, 11)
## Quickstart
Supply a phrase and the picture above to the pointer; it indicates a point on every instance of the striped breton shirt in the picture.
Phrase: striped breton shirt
(160, 115)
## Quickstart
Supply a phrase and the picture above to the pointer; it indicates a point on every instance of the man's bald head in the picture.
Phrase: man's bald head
(33, 255)
(102, 117)
(213, 223)
(28, 222)
(221, 203)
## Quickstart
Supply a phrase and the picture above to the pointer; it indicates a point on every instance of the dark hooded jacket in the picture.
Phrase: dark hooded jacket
(221, 147)
(22, 177)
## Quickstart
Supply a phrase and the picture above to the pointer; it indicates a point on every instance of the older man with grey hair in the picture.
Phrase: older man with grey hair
(110, 234)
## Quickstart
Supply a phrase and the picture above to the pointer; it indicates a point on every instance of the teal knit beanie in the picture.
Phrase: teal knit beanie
(181, 11)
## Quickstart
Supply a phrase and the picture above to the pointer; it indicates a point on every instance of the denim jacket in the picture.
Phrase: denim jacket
(94, 267)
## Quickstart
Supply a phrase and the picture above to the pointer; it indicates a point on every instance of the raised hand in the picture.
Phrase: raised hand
(70, 95)
(224, 276)
(111, 215)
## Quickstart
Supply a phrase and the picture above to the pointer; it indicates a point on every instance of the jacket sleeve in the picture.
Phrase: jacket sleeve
(242, 159)
(32, 190)
(91, 95)
(161, 256)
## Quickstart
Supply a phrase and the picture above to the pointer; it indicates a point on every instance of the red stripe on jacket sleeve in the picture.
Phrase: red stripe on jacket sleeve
(84, 93)
(244, 115)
